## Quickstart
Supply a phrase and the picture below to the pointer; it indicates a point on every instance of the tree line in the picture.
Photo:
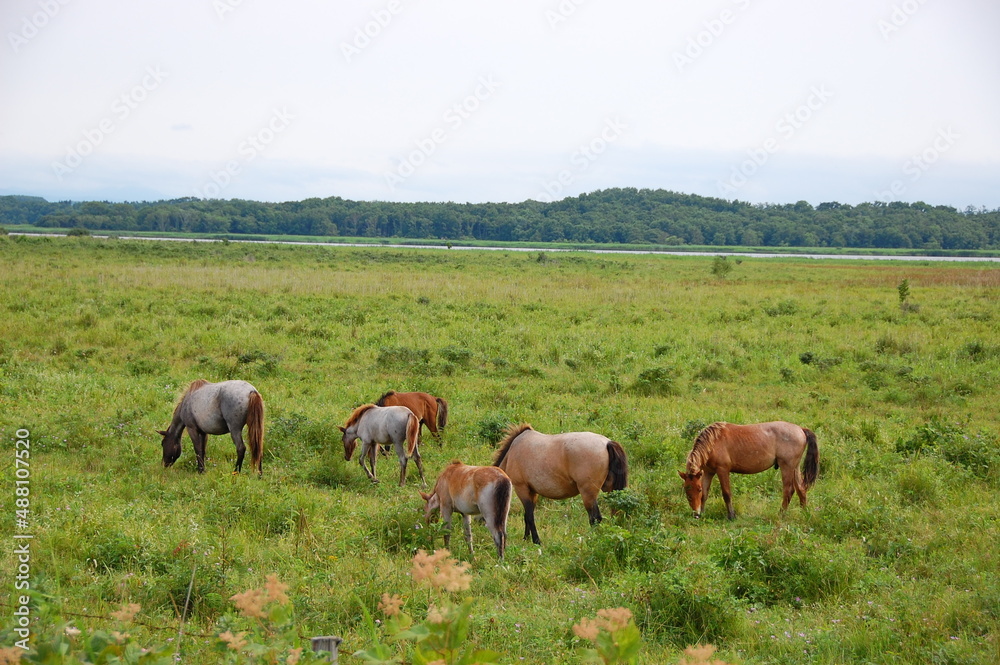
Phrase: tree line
(621, 215)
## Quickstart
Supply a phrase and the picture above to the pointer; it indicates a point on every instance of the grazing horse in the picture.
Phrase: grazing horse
(560, 466)
(724, 448)
(376, 425)
(471, 490)
(432, 411)
(217, 408)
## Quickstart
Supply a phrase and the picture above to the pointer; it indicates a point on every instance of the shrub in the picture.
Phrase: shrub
(721, 267)
(656, 381)
(682, 610)
(611, 549)
(78, 231)
(783, 308)
(692, 428)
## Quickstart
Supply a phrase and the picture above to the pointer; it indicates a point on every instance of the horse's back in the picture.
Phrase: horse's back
(213, 407)
(756, 447)
(385, 424)
(555, 465)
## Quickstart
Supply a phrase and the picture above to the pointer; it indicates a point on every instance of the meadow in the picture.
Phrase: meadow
(894, 560)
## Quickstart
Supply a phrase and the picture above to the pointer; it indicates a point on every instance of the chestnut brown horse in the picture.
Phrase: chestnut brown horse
(217, 408)
(560, 466)
(724, 448)
(430, 410)
(376, 425)
(471, 490)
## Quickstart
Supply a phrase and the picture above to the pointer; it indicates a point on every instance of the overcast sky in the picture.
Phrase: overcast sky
(468, 100)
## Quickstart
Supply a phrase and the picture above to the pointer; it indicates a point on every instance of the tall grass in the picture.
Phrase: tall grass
(890, 562)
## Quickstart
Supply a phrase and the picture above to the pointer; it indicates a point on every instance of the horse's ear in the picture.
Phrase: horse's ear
(161, 432)
(342, 429)
(424, 495)
(697, 475)
(682, 475)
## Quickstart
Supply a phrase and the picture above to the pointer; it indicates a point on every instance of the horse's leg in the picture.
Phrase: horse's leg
(788, 485)
(198, 439)
(467, 527)
(446, 521)
(529, 519)
(368, 453)
(800, 488)
(706, 484)
(241, 448)
(420, 465)
(401, 454)
(727, 494)
(589, 496)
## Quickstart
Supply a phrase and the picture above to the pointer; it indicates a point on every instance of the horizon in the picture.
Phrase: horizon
(395, 101)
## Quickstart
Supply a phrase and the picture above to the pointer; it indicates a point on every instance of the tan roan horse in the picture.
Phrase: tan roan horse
(560, 466)
(217, 408)
(471, 490)
(724, 448)
(376, 425)
(432, 411)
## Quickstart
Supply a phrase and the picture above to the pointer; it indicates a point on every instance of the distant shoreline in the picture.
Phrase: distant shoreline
(596, 250)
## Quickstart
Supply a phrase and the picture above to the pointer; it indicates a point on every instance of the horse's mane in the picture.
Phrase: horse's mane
(703, 444)
(357, 413)
(381, 400)
(510, 433)
(193, 386)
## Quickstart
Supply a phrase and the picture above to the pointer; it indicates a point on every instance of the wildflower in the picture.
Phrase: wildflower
(235, 642)
(434, 615)
(119, 637)
(700, 655)
(250, 603)
(440, 571)
(127, 612)
(390, 605)
(71, 631)
(611, 620)
(276, 590)
(293, 656)
(10, 655)
(587, 629)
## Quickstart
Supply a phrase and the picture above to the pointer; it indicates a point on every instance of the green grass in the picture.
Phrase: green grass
(894, 561)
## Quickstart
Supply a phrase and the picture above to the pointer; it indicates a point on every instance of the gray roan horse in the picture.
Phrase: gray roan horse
(376, 425)
(217, 408)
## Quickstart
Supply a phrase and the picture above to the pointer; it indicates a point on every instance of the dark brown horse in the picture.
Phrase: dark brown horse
(724, 448)
(430, 410)
(217, 408)
(560, 466)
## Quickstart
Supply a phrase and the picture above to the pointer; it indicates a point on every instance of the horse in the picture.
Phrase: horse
(471, 490)
(376, 425)
(432, 411)
(560, 466)
(724, 448)
(216, 408)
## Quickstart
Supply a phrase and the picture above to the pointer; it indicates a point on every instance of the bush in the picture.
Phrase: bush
(78, 231)
(655, 382)
(611, 549)
(676, 607)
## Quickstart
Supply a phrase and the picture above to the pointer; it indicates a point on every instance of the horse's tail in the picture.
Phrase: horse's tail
(617, 467)
(442, 415)
(255, 431)
(810, 468)
(501, 504)
(412, 434)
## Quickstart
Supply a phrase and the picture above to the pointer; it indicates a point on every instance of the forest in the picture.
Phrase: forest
(621, 215)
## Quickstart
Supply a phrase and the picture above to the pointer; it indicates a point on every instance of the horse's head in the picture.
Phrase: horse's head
(171, 447)
(692, 487)
(433, 502)
(350, 443)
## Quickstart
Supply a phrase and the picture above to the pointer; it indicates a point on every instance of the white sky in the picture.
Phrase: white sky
(887, 81)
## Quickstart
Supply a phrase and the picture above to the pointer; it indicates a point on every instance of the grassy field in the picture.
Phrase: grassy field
(895, 560)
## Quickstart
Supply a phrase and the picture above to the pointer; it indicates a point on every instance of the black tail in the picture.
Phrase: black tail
(617, 467)
(501, 500)
(810, 468)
